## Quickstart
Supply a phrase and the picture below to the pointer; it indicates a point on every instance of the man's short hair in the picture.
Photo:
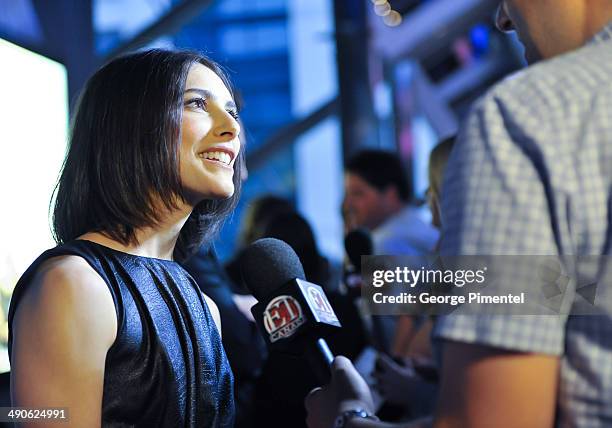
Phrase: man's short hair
(380, 169)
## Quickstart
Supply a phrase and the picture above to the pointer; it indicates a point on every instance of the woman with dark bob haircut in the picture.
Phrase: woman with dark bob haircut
(107, 324)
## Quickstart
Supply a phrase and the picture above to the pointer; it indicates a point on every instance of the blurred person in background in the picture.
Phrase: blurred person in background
(411, 379)
(412, 339)
(108, 324)
(294, 229)
(438, 159)
(529, 175)
(376, 196)
(258, 214)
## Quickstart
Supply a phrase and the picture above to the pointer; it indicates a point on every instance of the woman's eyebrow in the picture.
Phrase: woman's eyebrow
(208, 95)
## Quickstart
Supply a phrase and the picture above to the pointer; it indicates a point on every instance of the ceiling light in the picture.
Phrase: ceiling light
(393, 19)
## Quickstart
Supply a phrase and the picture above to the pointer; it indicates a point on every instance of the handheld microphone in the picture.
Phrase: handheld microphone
(292, 314)
(357, 243)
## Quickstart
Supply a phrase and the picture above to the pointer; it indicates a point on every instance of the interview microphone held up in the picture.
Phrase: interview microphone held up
(292, 314)
(357, 243)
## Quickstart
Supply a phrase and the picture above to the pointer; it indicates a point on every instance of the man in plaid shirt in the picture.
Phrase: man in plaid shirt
(531, 174)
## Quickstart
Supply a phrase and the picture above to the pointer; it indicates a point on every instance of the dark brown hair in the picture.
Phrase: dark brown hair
(380, 169)
(123, 153)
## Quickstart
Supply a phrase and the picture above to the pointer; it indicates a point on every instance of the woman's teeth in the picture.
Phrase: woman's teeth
(218, 156)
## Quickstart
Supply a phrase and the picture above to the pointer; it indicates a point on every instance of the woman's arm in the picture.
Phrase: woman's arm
(62, 330)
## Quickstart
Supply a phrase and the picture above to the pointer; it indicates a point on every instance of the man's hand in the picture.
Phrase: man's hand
(347, 390)
(395, 383)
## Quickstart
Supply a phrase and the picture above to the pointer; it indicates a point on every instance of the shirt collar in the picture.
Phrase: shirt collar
(604, 34)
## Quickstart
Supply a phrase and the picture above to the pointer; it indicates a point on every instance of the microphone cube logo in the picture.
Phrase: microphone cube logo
(282, 317)
(319, 301)
(321, 306)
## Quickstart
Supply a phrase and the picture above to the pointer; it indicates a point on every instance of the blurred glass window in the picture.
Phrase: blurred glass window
(238, 7)
(253, 39)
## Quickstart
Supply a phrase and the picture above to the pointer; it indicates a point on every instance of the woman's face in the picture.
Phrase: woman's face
(209, 145)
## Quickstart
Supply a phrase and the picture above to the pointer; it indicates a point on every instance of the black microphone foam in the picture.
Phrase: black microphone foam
(268, 264)
(358, 243)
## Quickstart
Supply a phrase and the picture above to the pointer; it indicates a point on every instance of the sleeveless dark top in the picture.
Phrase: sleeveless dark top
(167, 367)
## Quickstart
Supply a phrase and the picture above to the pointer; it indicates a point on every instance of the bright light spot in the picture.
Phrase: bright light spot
(393, 19)
(382, 9)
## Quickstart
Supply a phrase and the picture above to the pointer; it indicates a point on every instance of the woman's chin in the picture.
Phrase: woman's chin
(220, 193)
(217, 194)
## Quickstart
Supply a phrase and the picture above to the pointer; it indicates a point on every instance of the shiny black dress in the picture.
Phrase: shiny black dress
(167, 367)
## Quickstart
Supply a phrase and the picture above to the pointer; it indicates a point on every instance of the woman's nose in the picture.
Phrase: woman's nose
(227, 126)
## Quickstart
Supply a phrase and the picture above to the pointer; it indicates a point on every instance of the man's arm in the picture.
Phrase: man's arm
(485, 387)
(481, 387)
(62, 330)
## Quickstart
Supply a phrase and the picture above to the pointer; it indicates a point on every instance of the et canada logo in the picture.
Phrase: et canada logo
(321, 305)
(319, 301)
(282, 317)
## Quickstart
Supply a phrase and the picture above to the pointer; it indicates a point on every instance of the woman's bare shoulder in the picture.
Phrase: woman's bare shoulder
(67, 288)
(65, 268)
(63, 327)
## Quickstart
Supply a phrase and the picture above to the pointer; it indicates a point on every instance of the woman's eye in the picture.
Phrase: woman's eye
(199, 103)
(233, 114)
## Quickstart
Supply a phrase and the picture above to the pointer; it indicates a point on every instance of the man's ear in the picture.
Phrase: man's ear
(391, 194)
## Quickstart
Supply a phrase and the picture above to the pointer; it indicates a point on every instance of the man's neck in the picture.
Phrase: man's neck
(390, 212)
(395, 209)
(596, 19)
(577, 26)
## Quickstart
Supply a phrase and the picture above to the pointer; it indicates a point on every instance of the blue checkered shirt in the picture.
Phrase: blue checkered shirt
(532, 175)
